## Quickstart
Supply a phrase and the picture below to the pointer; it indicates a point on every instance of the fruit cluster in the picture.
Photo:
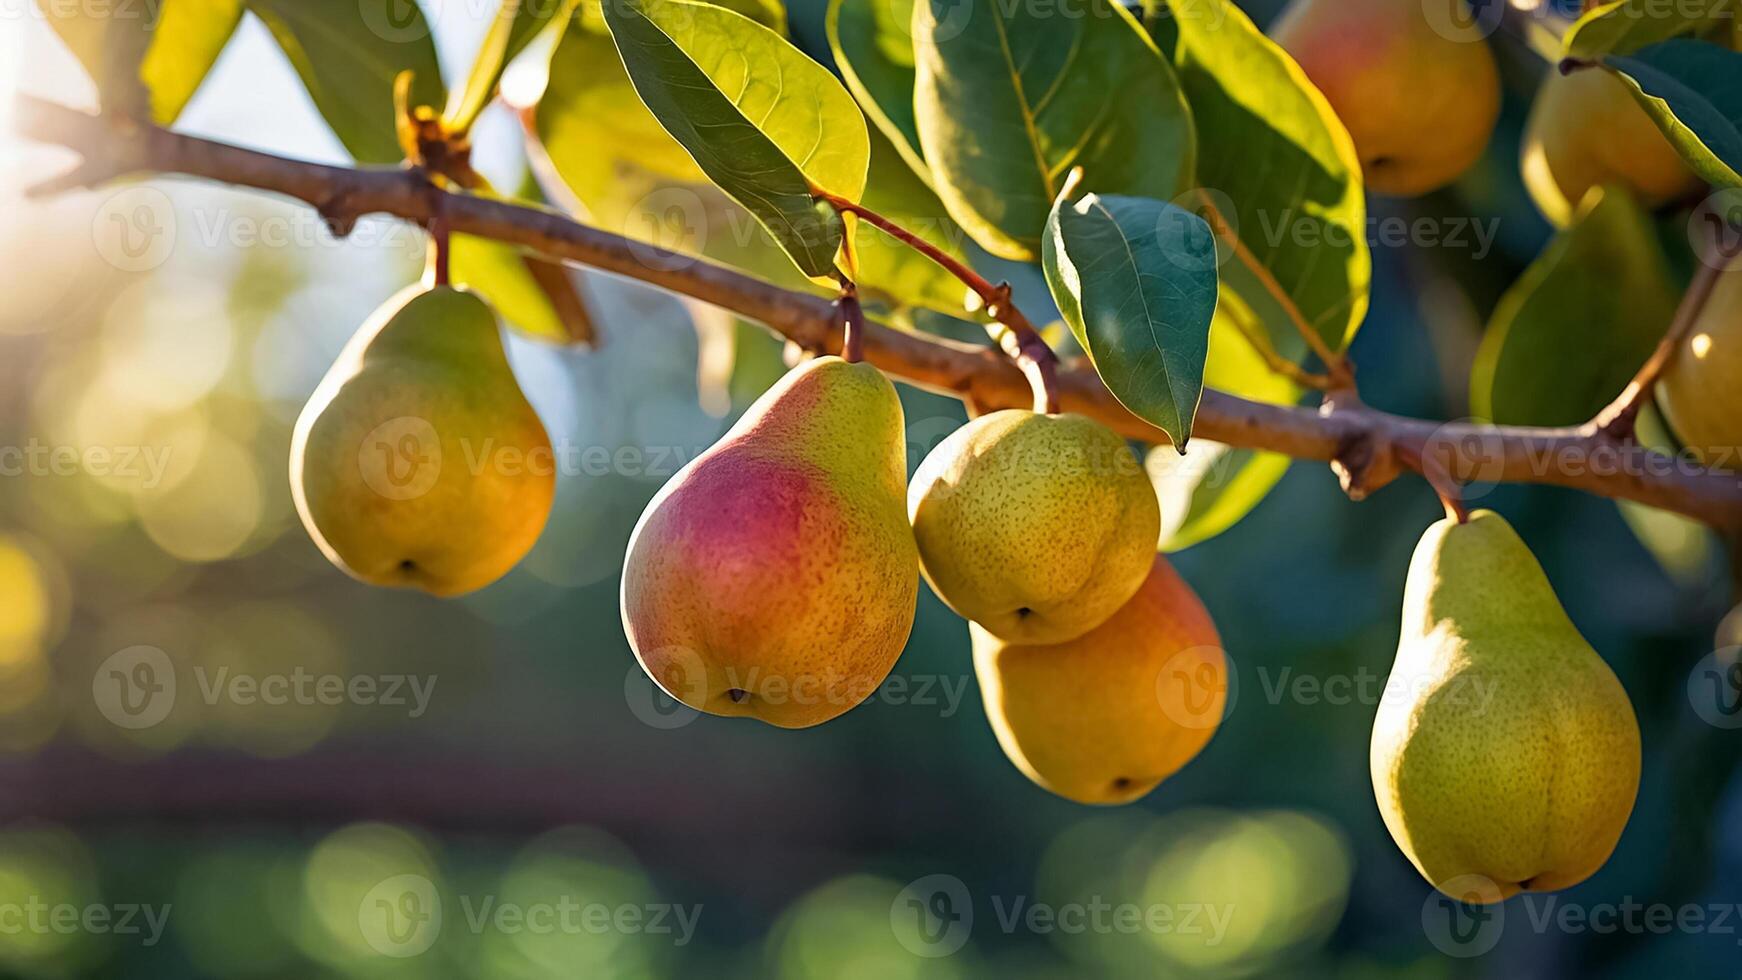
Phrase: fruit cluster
(776, 577)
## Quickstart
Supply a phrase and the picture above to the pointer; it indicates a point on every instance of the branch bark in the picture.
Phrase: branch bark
(1367, 448)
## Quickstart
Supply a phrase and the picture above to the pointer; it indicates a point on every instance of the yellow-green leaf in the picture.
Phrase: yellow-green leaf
(1693, 92)
(761, 119)
(148, 57)
(1273, 157)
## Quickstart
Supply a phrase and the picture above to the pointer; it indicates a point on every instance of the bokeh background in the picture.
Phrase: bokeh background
(147, 390)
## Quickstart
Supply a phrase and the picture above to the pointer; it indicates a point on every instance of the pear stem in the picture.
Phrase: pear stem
(1445, 486)
(1618, 419)
(852, 323)
(438, 250)
(1014, 332)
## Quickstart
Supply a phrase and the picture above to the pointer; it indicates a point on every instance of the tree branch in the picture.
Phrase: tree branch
(1367, 448)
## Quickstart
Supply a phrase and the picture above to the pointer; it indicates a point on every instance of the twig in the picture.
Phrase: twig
(852, 323)
(1363, 442)
(1618, 418)
(1254, 334)
(1337, 367)
(1017, 336)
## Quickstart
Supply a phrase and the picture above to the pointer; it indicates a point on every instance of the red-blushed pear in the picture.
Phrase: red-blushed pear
(1037, 527)
(1107, 716)
(775, 576)
(418, 461)
(1412, 80)
(1505, 754)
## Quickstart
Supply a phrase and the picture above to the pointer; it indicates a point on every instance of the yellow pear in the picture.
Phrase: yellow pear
(1505, 754)
(418, 461)
(1701, 388)
(774, 576)
(1585, 130)
(1412, 81)
(1107, 716)
(1035, 526)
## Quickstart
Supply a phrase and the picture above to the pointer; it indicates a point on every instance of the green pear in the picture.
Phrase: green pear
(418, 462)
(1418, 93)
(1701, 388)
(1107, 716)
(1037, 527)
(775, 575)
(1505, 754)
(1585, 130)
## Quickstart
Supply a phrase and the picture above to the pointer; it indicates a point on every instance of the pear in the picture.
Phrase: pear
(1419, 95)
(1701, 388)
(1505, 754)
(775, 576)
(1585, 130)
(1105, 717)
(418, 461)
(1037, 527)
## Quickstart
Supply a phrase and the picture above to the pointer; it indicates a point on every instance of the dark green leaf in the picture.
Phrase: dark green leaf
(1136, 281)
(684, 58)
(1273, 158)
(148, 57)
(1567, 337)
(347, 53)
(1211, 486)
(1693, 91)
(1009, 98)
(873, 46)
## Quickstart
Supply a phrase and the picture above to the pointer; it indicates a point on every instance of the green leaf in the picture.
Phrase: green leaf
(1625, 26)
(1280, 167)
(873, 47)
(1567, 337)
(684, 58)
(1009, 98)
(347, 53)
(516, 23)
(1693, 91)
(148, 57)
(1136, 281)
